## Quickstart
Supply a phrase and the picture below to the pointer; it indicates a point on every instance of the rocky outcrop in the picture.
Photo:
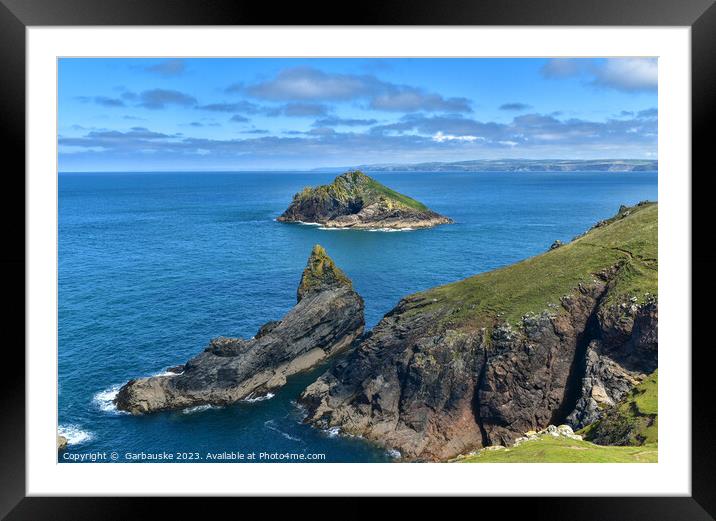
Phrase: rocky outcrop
(327, 318)
(527, 377)
(452, 370)
(623, 354)
(61, 443)
(631, 421)
(433, 395)
(563, 431)
(406, 387)
(354, 200)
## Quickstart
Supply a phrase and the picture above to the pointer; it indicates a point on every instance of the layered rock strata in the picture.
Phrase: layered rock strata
(327, 319)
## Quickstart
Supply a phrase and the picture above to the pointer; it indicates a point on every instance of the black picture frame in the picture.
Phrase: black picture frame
(17, 15)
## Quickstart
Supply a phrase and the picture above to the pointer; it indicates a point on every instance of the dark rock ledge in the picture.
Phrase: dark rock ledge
(327, 318)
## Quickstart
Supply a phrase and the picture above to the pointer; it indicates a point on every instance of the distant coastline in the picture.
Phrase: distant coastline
(478, 165)
(514, 165)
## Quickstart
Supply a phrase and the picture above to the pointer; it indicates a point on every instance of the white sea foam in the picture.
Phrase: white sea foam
(394, 453)
(251, 398)
(197, 408)
(388, 230)
(308, 223)
(333, 432)
(104, 400)
(300, 408)
(74, 434)
(384, 230)
(271, 424)
(167, 373)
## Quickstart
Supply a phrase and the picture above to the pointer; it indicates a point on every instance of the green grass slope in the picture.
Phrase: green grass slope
(355, 185)
(533, 285)
(549, 449)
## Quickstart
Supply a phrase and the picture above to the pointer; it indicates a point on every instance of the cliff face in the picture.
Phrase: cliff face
(354, 200)
(632, 421)
(407, 386)
(327, 318)
(557, 338)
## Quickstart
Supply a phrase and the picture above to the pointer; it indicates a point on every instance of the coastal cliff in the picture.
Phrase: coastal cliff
(354, 200)
(327, 318)
(558, 338)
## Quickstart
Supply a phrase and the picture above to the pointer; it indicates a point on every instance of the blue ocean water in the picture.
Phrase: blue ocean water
(152, 266)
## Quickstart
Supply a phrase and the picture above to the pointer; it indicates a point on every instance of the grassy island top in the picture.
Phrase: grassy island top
(538, 283)
(355, 185)
(321, 272)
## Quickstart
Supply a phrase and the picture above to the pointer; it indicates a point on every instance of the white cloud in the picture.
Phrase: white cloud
(440, 138)
(309, 84)
(629, 74)
(408, 99)
(306, 83)
(625, 74)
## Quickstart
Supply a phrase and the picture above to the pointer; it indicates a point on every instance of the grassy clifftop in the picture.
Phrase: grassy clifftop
(538, 283)
(356, 186)
(563, 450)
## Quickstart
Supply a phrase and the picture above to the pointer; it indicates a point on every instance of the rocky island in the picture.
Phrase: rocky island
(354, 200)
(327, 318)
(560, 338)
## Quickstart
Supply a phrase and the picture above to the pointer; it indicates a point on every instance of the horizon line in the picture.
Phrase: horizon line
(318, 168)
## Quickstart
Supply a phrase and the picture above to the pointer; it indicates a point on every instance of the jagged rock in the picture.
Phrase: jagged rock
(61, 443)
(526, 378)
(320, 274)
(449, 370)
(434, 396)
(621, 358)
(354, 200)
(327, 319)
(404, 388)
(631, 421)
(267, 328)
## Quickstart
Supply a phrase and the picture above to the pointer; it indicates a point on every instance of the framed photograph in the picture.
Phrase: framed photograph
(414, 253)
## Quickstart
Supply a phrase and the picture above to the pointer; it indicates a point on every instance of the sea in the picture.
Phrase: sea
(154, 265)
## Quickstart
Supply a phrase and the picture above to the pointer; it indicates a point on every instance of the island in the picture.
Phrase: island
(548, 346)
(326, 319)
(354, 200)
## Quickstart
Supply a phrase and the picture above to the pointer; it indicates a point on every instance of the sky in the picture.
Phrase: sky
(232, 114)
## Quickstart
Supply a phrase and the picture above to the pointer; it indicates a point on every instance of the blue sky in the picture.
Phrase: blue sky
(284, 114)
